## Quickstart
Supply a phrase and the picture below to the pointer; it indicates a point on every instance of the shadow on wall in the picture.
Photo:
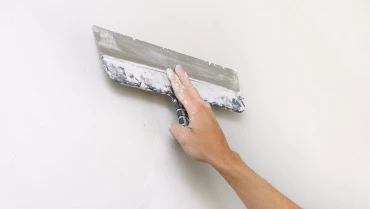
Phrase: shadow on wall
(227, 114)
(128, 92)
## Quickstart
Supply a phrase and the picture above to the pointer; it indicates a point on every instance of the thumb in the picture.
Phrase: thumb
(179, 132)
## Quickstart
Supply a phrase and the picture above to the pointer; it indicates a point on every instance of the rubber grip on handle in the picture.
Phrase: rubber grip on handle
(180, 111)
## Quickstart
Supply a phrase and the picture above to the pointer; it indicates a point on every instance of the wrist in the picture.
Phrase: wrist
(226, 161)
(232, 168)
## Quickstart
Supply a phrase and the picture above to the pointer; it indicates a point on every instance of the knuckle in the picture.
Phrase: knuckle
(194, 111)
(207, 105)
(197, 106)
(182, 137)
(201, 105)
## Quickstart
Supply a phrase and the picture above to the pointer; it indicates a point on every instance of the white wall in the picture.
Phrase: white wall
(70, 138)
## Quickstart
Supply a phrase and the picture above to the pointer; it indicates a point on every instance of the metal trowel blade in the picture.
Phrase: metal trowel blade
(139, 64)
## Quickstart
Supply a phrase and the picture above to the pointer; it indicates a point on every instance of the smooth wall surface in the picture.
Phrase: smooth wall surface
(70, 138)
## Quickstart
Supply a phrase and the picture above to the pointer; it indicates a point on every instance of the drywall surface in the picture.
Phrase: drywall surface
(70, 138)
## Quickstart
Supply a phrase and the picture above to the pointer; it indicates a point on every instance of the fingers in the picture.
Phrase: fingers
(179, 132)
(183, 76)
(187, 83)
(182, 95)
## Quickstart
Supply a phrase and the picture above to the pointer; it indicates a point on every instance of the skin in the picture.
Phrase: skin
(203, 140)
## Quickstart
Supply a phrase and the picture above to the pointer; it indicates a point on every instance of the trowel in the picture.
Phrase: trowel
(142, 65)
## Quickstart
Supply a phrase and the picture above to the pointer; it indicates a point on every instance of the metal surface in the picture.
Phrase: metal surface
(140, 64)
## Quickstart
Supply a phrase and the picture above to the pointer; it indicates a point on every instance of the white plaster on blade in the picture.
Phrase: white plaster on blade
(149, 78)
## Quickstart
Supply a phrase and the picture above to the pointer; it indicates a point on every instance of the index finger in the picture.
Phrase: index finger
(187, 83)
(179, 90)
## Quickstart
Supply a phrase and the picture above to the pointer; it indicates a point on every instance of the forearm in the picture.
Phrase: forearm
(254, 191)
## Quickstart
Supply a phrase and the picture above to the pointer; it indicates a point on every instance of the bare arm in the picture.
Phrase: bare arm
(203, 140)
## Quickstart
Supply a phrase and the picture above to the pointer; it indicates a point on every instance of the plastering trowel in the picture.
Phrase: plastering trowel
(139, 64)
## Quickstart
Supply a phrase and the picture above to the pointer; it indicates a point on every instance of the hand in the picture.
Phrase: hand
(203, 139)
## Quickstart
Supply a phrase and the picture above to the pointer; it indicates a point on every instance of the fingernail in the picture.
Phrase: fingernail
(178, 68)
(169, 72)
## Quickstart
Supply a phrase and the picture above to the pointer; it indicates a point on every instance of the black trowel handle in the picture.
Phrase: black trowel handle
(181, 112)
